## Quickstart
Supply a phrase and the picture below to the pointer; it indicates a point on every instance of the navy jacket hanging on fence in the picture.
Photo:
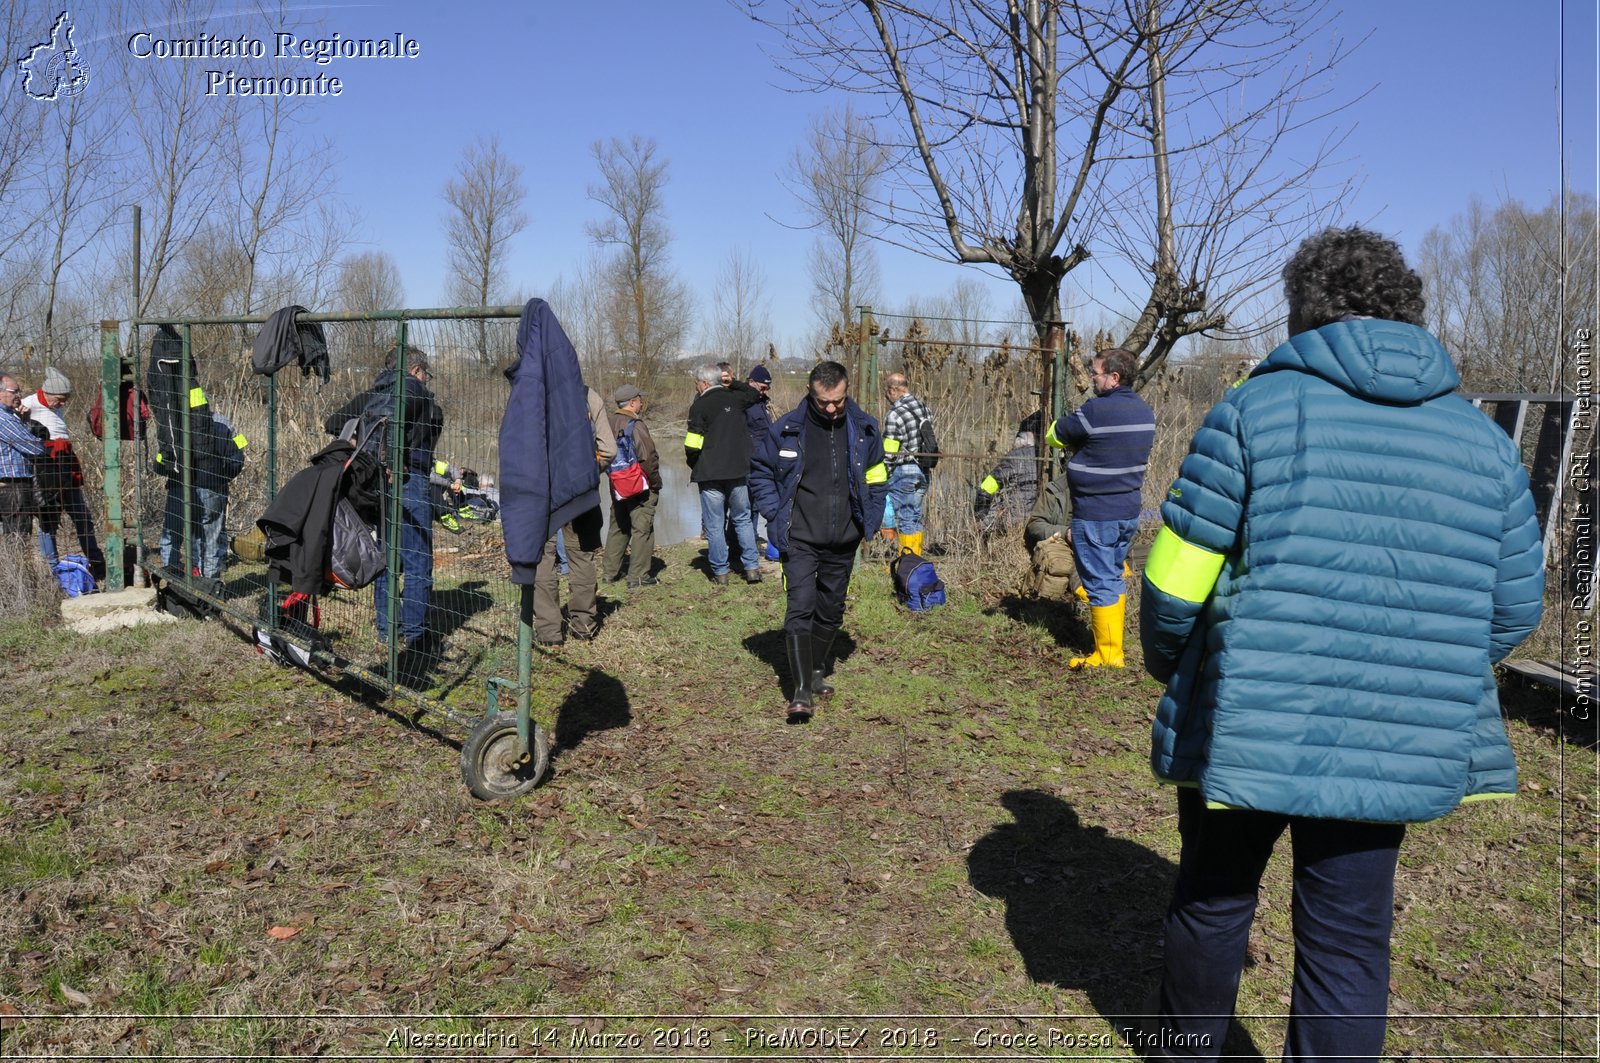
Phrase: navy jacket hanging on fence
(548, 473)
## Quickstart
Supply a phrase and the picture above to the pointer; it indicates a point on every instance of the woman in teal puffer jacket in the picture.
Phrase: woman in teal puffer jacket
(1347, 550)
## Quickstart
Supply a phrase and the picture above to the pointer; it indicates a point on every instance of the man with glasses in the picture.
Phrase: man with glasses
(19, 449)
(1111, 436)
(820, 481)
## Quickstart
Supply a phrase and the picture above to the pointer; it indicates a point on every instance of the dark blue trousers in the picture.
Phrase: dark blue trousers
(416, 561)
(1343, 915)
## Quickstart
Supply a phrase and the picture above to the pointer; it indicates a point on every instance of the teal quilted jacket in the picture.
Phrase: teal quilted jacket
(1347, 550)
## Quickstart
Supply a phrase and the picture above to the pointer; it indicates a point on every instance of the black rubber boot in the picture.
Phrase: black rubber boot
(821, 644)
(799, 647)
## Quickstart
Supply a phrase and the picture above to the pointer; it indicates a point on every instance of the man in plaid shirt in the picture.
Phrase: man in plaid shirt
(902, 439)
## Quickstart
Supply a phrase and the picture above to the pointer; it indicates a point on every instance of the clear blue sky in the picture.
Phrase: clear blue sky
(1464, 101)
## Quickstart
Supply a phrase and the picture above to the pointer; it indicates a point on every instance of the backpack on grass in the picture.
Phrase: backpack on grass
(916, 583)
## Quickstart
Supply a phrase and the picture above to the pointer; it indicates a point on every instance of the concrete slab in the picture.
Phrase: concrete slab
(130, 607)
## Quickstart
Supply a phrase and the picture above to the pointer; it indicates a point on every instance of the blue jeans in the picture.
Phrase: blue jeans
(77, 510)
(730, 500)
(416, 561)
(1100, 547)
(1343, 910)
(908, 488)
(208, 514)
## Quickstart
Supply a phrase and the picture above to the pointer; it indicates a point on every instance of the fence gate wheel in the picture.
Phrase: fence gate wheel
(489, 763)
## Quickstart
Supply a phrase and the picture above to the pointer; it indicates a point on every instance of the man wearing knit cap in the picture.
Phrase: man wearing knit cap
(633, 520)
(59, 475)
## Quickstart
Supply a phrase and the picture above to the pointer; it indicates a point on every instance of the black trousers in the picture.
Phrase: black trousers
(816, 578)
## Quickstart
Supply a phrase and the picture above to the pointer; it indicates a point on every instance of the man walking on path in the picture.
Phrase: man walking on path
(820, 481)
(1111, 436)
(903, 439)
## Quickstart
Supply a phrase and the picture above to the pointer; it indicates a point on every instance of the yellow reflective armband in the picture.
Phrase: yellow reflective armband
(1051, 437)
(877, 474)
(1182, 569)
(240, 441)
(442, 468)
(694, 441)
(891, 446)
(990, 486)
(197, 397)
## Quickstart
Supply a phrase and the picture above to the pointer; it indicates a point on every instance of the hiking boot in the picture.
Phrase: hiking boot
(450, 522)
(752, 575)
(643, 581)
(721, 581)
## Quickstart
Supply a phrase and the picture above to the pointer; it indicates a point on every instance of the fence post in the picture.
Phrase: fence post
(111, 429)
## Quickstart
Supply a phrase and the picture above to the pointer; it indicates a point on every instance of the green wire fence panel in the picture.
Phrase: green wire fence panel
(195, 504)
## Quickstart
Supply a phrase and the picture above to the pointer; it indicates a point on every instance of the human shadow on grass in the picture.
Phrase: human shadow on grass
(768, 648)
(452, 607)
(600, 703)
(1550, 710)
(1083, 908)
(1061, 619)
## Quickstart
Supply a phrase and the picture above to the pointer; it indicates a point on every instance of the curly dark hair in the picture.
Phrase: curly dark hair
(1339, 272)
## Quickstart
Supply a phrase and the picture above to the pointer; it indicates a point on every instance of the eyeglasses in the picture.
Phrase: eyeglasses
(9, 391)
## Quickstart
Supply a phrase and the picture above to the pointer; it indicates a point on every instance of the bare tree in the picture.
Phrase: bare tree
(369, 282)
(741, 321)
(21, 131)
(178, 142)
(581, 305)
(485, 199)
(76, 194)
(835, 176)
(1024, 124)
(1501, 284)
(649, 306)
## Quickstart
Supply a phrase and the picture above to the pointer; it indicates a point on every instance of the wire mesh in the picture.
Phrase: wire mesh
(472, 609)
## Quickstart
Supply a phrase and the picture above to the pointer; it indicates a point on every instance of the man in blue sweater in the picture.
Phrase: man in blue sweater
(1111, 435)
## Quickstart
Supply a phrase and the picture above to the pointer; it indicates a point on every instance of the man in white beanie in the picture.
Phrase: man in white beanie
(59, 475)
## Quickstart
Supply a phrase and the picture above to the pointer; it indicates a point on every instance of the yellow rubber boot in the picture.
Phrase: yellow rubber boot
(911, 541)
(1107, 621)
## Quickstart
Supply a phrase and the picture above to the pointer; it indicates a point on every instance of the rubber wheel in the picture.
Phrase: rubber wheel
(489, 763)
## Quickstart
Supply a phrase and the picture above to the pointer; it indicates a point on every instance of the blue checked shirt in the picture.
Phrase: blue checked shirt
(18, 447)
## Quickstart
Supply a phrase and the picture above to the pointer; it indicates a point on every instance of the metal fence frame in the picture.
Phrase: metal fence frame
(509, 755)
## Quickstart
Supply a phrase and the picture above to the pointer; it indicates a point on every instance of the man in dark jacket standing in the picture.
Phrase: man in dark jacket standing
(820, 481)
(717, 448)
(1112, 434)
(420, 425)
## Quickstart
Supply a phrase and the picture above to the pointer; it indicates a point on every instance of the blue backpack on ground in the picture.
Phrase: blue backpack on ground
(72, 572)
(916, 583)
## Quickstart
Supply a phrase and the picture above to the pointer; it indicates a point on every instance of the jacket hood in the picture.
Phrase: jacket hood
(1385, 361)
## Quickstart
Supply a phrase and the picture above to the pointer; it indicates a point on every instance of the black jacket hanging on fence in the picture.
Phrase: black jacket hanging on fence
(283, 340)
(298, 524)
